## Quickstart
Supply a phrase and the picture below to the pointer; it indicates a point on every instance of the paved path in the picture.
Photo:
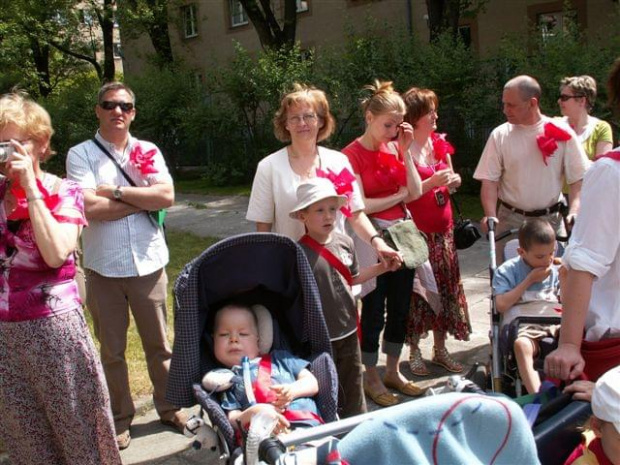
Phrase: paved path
(221, 217)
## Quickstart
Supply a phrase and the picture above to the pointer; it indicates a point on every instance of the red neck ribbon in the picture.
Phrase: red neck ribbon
(333, 261)
(614, 155)
(21, 208)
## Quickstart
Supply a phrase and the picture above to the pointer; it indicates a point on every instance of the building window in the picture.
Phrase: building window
(550, 24)
(238, 16)
(302, 5)
(117, 50)
(188, 14)
(465, 35)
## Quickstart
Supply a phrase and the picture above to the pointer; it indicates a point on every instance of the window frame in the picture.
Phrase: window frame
(189, 17)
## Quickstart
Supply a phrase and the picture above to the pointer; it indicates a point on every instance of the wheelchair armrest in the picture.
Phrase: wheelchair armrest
(559, 435)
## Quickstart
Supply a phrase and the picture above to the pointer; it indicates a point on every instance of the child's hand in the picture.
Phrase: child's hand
(284, 395)
(538, 275)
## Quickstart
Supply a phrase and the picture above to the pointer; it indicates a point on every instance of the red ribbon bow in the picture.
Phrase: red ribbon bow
(390, 170)
(143, 160)
(21, 208)
(441, 146)
(343, 183)
(548, 142)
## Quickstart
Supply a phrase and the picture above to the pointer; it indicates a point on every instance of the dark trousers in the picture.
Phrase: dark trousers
(348, 361)
(393, 292)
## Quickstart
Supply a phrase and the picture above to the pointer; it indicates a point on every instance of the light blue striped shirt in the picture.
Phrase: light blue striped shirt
(129, 246)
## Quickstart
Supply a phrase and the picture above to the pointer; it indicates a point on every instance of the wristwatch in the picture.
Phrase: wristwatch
(117, 193)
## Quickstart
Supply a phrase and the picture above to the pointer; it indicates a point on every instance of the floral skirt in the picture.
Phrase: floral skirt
(452, 315)
(54, 403)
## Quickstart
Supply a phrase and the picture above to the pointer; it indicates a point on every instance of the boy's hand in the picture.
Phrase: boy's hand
(284, 395)
(538, 275)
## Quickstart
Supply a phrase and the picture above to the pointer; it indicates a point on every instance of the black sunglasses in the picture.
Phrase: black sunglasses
(564, 97)
(108, 105)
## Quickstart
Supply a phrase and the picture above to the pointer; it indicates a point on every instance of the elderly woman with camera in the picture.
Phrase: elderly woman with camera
(54, 405)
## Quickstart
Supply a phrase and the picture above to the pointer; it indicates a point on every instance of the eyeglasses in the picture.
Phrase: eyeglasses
(108, 105)
(565, 98)
(308, 118)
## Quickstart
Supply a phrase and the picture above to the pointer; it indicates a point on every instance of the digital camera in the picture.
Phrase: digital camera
(6, 150)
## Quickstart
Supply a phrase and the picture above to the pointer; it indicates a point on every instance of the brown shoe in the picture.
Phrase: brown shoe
(442, 358)
(123, 440)
(176, 421)
(385, 399)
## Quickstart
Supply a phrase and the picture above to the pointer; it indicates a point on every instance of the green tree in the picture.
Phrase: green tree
(150, 17)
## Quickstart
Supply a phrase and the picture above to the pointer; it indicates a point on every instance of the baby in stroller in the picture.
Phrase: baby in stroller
(528, 285)
(236, 346)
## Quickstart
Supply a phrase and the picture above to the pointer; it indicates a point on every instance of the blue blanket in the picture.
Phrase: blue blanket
(453, 428)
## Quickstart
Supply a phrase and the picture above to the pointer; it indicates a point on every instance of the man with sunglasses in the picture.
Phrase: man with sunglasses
(125, 250)
(525, 163)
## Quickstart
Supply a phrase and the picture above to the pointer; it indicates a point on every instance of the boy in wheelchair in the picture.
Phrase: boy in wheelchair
(279, 383)
(530, 279)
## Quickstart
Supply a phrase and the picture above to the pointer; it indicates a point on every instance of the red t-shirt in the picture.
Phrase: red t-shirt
(364, 163)
(429, 217)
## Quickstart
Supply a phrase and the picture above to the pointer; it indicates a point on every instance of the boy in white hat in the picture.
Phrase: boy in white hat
(602, 443)
(334, 263)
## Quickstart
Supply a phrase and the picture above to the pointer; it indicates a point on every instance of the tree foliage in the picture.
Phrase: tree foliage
(150, 17)
(49, 41)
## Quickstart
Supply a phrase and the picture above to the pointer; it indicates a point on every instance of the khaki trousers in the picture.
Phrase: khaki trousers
(109, 301)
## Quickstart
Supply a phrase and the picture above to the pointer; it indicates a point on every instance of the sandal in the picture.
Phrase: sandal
(416, 364)
(385, 399)
(442, 358)
(409, 388)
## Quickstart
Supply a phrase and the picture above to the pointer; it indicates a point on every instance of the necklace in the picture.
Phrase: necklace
(297, 165)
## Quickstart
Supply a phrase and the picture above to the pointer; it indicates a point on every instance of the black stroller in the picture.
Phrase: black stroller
(266, 269)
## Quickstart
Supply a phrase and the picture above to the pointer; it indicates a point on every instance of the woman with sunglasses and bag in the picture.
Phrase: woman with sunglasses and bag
(54, 404)
(387, 180)
(441, 308)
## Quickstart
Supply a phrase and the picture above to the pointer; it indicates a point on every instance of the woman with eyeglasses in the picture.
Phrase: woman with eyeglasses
(576, 101)
(54, 405)
(303, 120)
(388, 180)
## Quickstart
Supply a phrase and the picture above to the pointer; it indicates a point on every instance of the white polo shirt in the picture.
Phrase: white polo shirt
(129, 246)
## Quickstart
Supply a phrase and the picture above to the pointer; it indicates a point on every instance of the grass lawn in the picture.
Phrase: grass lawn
(183, 248)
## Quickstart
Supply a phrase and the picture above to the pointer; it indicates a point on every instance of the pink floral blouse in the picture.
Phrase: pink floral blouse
(29, 288)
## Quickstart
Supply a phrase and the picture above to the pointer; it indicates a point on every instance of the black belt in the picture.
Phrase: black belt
(545, 211)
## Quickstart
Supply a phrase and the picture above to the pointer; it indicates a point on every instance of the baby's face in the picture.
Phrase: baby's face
(235, 336)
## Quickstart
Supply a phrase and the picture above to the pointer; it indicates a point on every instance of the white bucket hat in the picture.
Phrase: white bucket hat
(314, 190)
(606, 397)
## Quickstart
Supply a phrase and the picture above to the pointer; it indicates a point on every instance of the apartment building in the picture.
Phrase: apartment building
(203, 32)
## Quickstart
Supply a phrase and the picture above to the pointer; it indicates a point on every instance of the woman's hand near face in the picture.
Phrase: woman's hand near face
(19, 166)
(405, 138)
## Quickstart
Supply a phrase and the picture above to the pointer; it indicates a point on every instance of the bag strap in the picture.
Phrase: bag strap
(456, 206)
(109, 155)
(329, 257)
